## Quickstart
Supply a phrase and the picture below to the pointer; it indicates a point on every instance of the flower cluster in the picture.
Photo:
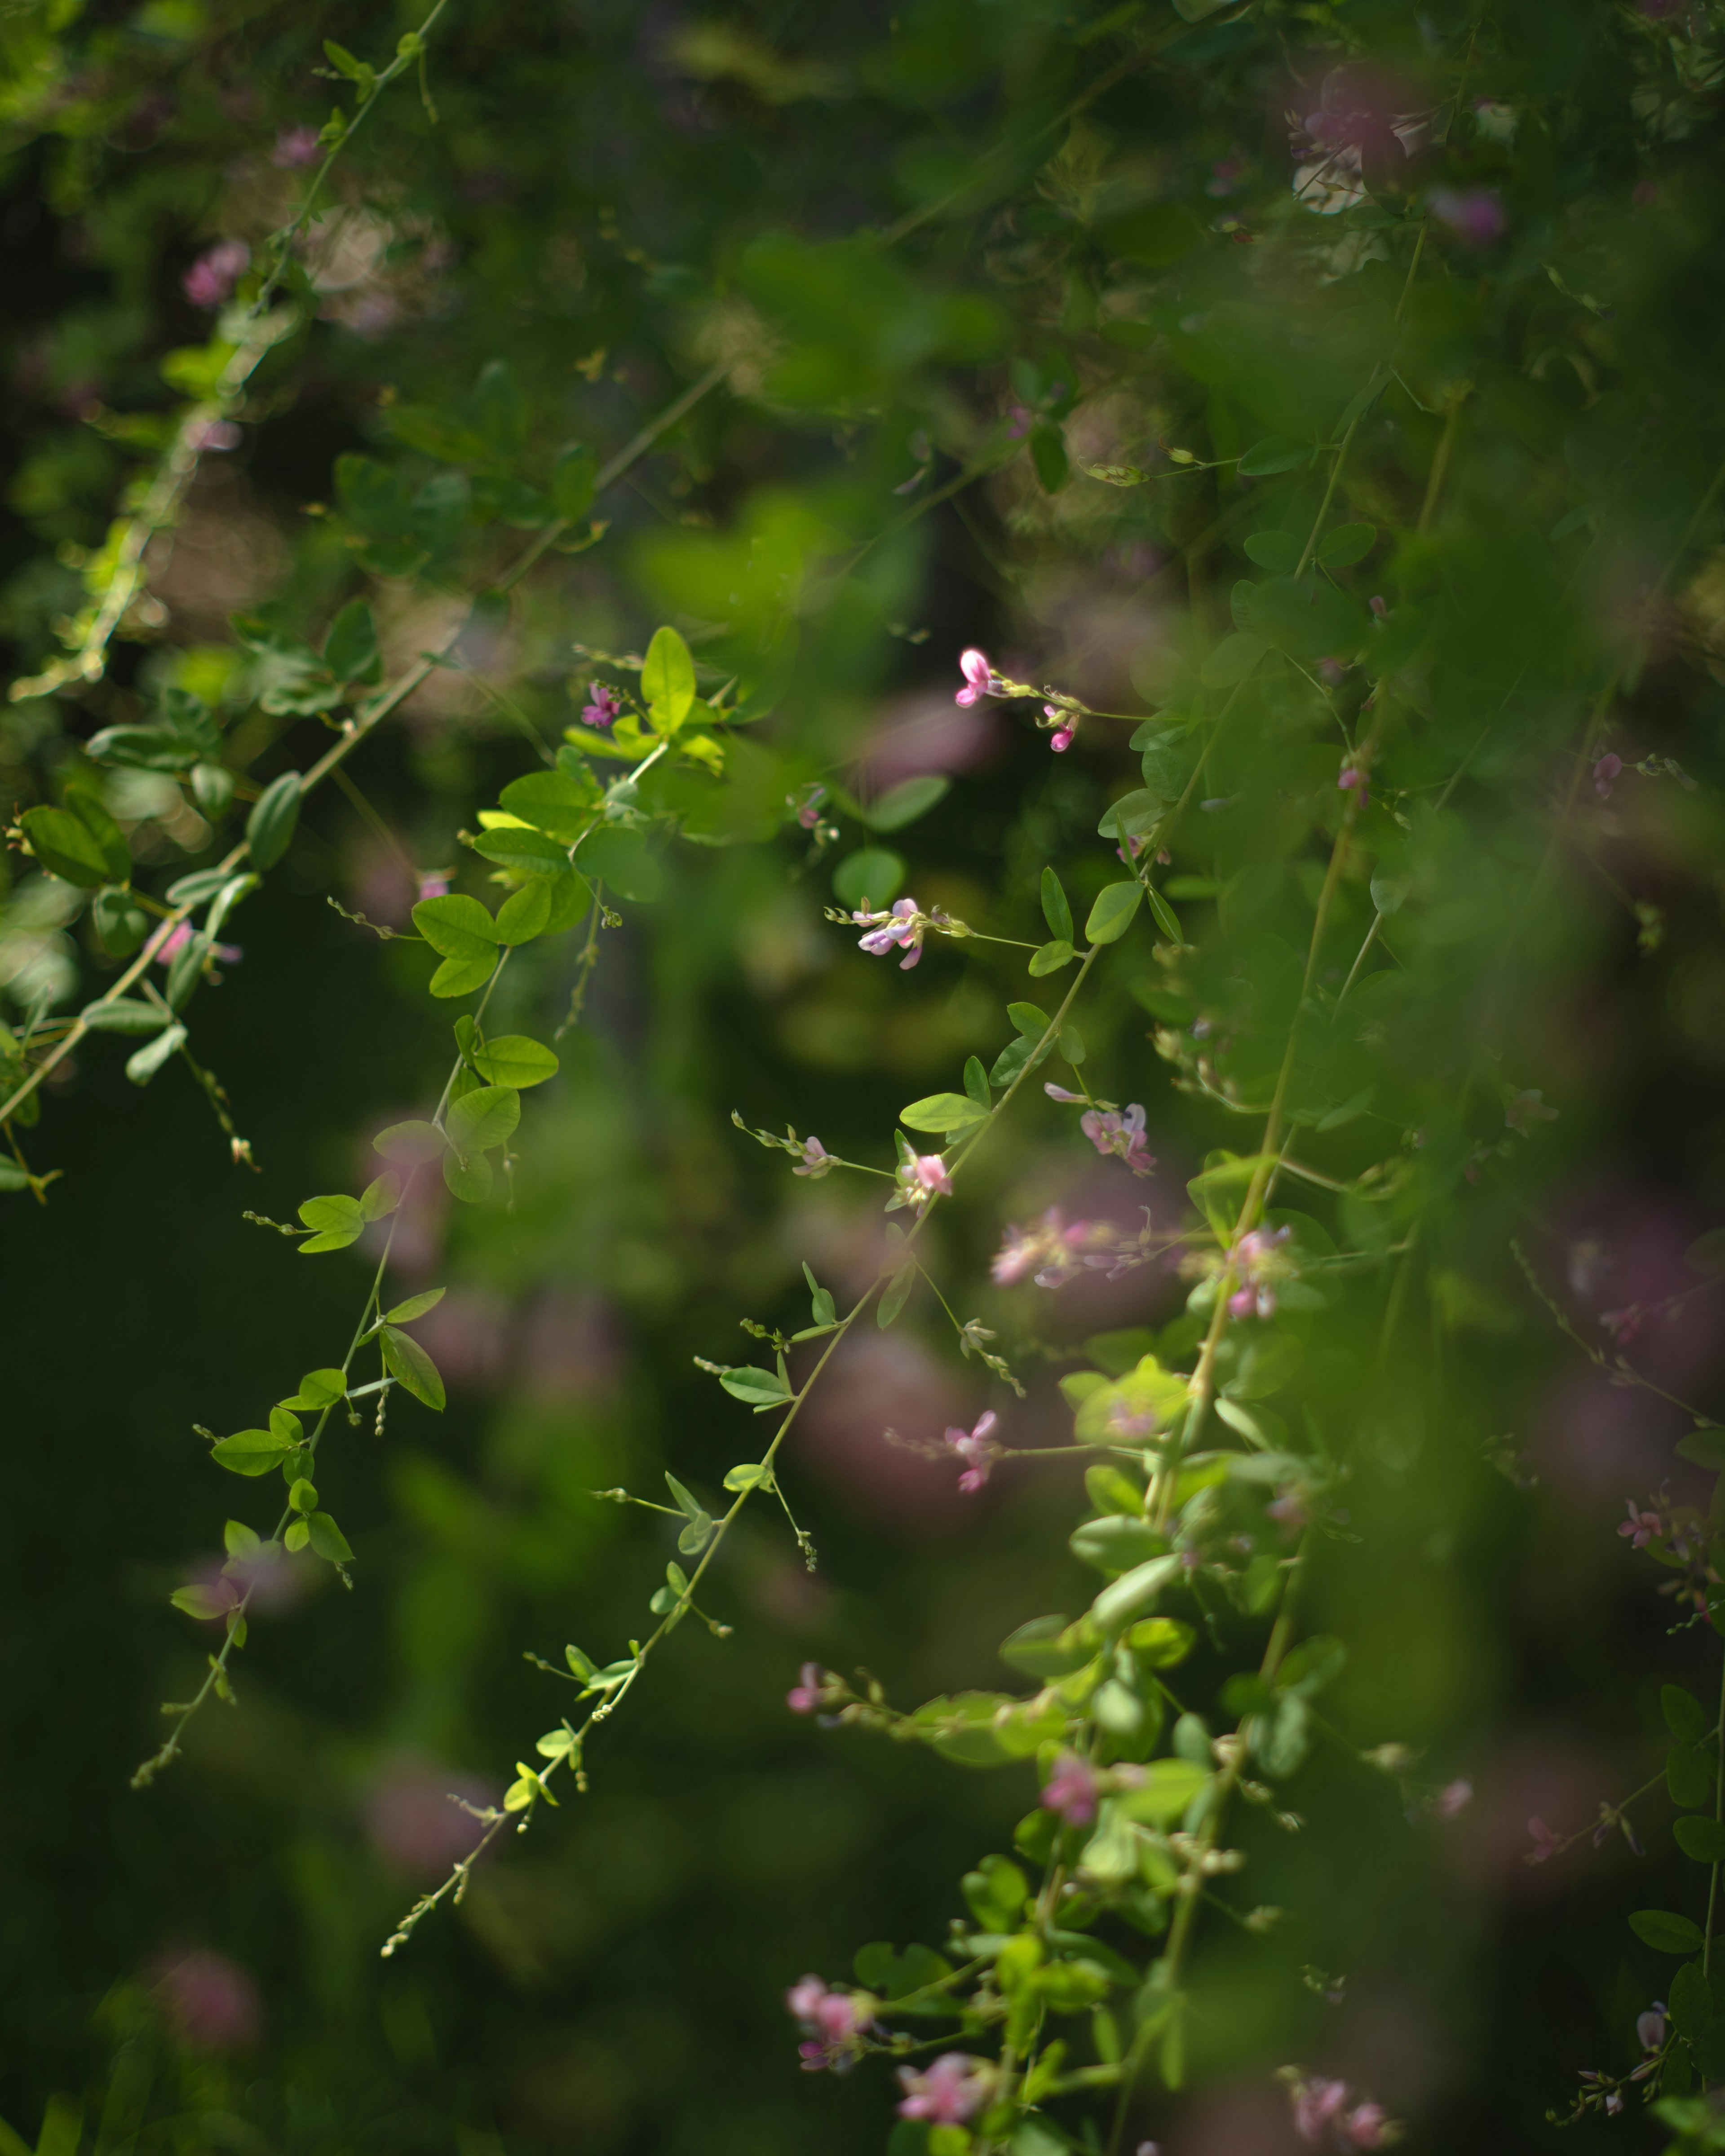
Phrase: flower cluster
(1053, 1250)
(1257, 1265)
(977, 1448)
(1326, 2115)
(954, 2088)
(901, 928)
(1110, 1130)
(834, 2023)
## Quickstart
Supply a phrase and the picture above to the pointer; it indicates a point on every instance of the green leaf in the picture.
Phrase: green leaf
(186, 970)
(202, 1602)
(252, 1451)
(525, 913)
(1050, 958)
(1347, 544)
(571, 483)
(620, 860)
(688, 1503)
(350, 650)
(1133, 815)
(516, 1060)
(1036, 1649)
(416, 1305)
(270, 826)
(1166, 920)
(904, 804)
(1275, 453)
(457, 926)
(1278, 551)
(894, 1294)
(695, 1537)
(872, 878)
(976, 1083)
(483, 1118)
(336, 1222)
(1705, 1447)
(66, 847)
(409, 1144)
(380, 1197)
(1127, 1597)
(318, 1389)
(1048, 454)
(1700, 1837)
(123, 1015)
(533, 853)
(1689, 1775)
(1232, 660)
(668, 681)
(339, 57)
(142, 1065)
(469, 1177)
(409, 1364)
(759, 1388)
(941, 1112)
(1111, 916)
(327, 1539)
(1055, 911)
(552, 802)
(1685, 1715)
(1168, 1787)
(1666, 1934)
(500, 409)
(750, 1475)
(120, 921)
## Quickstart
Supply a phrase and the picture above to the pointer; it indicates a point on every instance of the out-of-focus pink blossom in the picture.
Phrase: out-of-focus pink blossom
(1257, 1265)
(809, 808)
(296, 147)
(1546, 1844)
(980, 679)
(603, 707)
(953, 2089)
(979, 1448)
(835, 2021)
(1650, 2027)
(1606, 773)
(1363, 2127)
(211, 2001)
(1641, 1526)
(1316, 2104)
(805, 1695)
(210, 280)
(1071, 1790)
(415, 1817)
(1452, 1800)
(923, 1177)
(1476, 215)
(1111, 1132)
(434, 883)
(177, 937)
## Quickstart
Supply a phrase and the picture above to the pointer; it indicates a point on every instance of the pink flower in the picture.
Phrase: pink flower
(1650, 2027)
(1316, 2104)
(1059, 1093)
(1476, 215)
(979, 1448)
(980, 679)
(210, 280)
(1641, 1527)
(902, 925)
(924, 1176)
(1065, 726)
(816, 1161)
(1050, 1250)
(953, 2089)
(1454, 1798)
(177, 937)
(1606, 773)
(602, 706)
(433, 884)
(1257, 1265)
(1071, 1790)
(809, 809)
(296, 146)
(1353, 777)
(803, 1698)
(1112, 1132)
(1363, 2126)
(834, 2020)
(1546, 1844)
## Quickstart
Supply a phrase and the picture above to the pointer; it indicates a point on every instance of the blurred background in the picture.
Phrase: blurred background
(196, 1967)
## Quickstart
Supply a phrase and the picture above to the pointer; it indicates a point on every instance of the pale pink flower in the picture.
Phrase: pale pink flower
(953, 2089)
(434, 883)
(1049, 1251)
(1641, 1527)
(1059, 1093)
(177, 937)
(210, 280)
(979, 1448)
(836, 2021)
(816, 1161)
(805, 1696)
(924, 1176)
(903, 926)
(809, 808)
(980, 679)
(211, 2001)
(1257, 1265)
(1477, 215)
(1453, 1799)
(1650, 2027)
(1545, 1842)
(1112, 1132)
(1316, 2104)
(1363, 2127)
(1071, 1790)
(1606, 773)
(296, 146)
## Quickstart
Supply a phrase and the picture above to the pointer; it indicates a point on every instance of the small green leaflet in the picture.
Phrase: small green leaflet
(514, 1060)
(483, 1118)
(1166, 920)
(409, 1144)
(416, 1305)
(269, 828)
(668, 681)
(941, 1112)
(334, 1222)
(469, 1177)
(318, 1388)
(894, 1294)
(1273, 454)
(1701, 1838)
(1051, 957)
(380, 1198)
(202, 1602)
(1347, 544)
(251, 1451)
(759, 1388)
(525, 914)
(1055, 912)
(123, 1015)
(1685, 1715)
(822, 1305)
(409, 1364)
(750, 1475)
(327, 1539)
(465, 935)
(351, 649)
(1111, 916)
(142, 1065)
(1666, 1934)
